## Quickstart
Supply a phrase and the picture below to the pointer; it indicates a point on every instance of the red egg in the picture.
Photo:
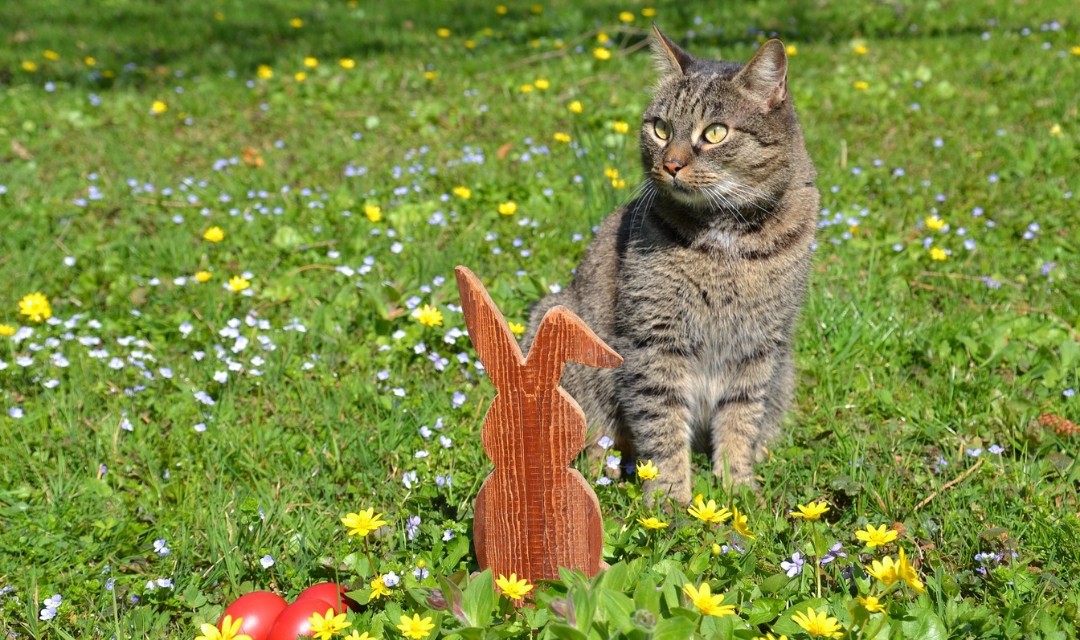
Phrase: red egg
(259, 610)
(295, 619)
(332, 593)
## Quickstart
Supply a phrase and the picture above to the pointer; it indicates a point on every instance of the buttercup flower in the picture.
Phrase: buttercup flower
(791, 50)
(653, 523)
(512, 587)
(428, 316)
(620, 126)
(812, 511)
(229, 630)
(415, 627)
(462, 192)
(876, 537)
(626, 16)
(706, 602)
(860, 85)
(934, 223)
(861, 49)
(884, 570)
(938, 254)
(296, 23)
(739, 523)
(299, 76)
(575, 106)
(347, 63)
(373, 212)
(36, 307)
(239, 283)
(648, 12)
(871, 604)
(601, 53)
(508, 208)
(363, 523)
(516, 328)
(818, 625)
(708, 512)
(442, 32)
(542, 84)
(646, 470)
(311, 62)
(561, 137)
(324, 626)
(214, 234)
(6, 330)
(158, 107)
(29, 66)
(202, 276)
(378, 589)
(356, 635)
(907, 573)
(264, 72)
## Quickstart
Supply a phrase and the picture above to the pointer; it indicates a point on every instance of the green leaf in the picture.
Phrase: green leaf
(565, 632)
(775, 583)
(615, 577)
(617, 609)
(925, 624)
(286, 238)
(646, 595)
(765, 610)
(478, 601)
(677, 628)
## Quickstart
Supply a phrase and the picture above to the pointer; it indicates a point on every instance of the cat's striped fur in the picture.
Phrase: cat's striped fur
(698, 283)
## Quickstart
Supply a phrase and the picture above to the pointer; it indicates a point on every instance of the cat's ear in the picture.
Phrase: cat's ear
(765, 76)
(669, 58)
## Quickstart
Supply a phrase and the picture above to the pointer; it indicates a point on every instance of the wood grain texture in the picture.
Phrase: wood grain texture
(534, 513)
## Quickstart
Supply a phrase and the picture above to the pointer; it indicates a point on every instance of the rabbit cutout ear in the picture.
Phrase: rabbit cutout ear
(563, 336)
(490, 335)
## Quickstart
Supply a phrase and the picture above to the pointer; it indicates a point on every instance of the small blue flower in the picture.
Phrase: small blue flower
(794, 567)
(266, 561)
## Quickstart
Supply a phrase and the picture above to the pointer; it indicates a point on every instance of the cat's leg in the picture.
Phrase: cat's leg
(651, 392)
(745, 415)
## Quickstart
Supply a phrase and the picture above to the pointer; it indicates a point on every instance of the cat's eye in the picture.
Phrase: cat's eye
(662, 129)
(715, 133)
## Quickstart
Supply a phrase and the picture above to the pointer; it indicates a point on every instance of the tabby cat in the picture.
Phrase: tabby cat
(698, 282)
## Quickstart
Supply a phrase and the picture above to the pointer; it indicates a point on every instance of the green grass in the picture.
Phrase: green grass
(907, 364)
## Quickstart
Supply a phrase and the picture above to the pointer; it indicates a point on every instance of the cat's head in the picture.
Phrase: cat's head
(721, 136)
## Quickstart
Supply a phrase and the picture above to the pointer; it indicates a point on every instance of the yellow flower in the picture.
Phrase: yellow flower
(791, 50)
(29, 66)
(611, 173)
(428, 316)
(906, 572)
(363, 523)
(414, 627)
(373, 212)
(626, 16)
(470, 44)
(6, 330)
(647, 470)
(508, 208)
(536, 9)
(876, 537)
(300, 76)
(49, 54)
(603, 38)
(542, 84)
(311, 62)
(325, 626)
(818, 625)
(648, 12)
(264, 72)
(462, 192)
(442, 32)
(707, 603)
(229, 630)
(202, 276)
(516, 328)
(1056, 130)
(296, 23)
(708, 512)
(812, 511)
(158, 107)
(512, 587)
(214, 234)
(601, 53)
(36, 307)
(1075, 50)
(871, 604)
(653, 523)
(618, 184)
(347, 63)
(431, 75)
(527, 88)
(219, 16)
(934, 223)
(575, 107)
(769, 636)
(378, 589)
(501, 9)
(885, 571)
(561, 137)
(356, 635)
(861, 85)
(738, 522)
(90, 61)
(938, 254)
(620, 127)
(861, 49)
(239, 283)
(716, 549)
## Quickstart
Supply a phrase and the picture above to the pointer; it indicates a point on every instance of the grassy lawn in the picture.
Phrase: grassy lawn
(171, 444)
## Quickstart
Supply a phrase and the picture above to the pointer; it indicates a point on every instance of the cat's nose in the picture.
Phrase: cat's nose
(672, 167)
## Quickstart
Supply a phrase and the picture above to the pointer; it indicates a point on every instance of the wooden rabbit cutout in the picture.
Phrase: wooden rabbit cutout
(534, 514)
